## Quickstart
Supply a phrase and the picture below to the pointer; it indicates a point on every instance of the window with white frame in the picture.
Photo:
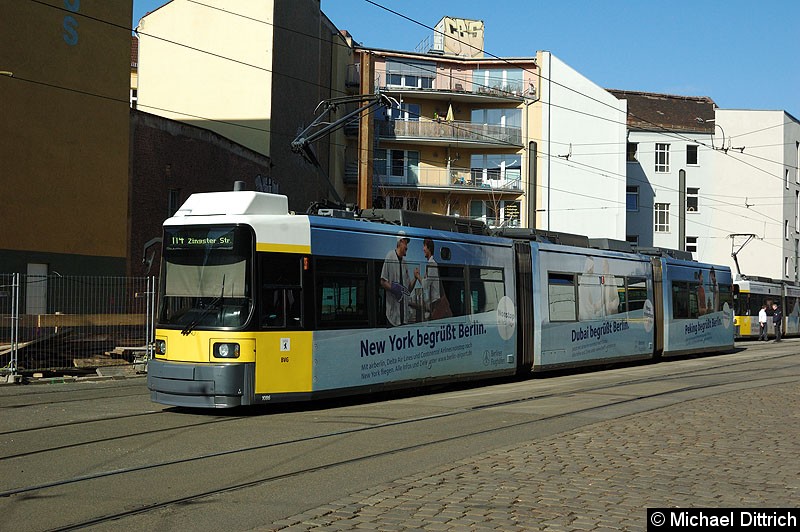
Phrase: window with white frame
(662, 157)
(498, 80)
(408, 112)
(495, 213)
(786, 266)
(497, 117)
(692, 199)
(399, 166)
(786, 229)
(497, 170)
(661, 217)
(410, 74)
(691, 244)
(632, 198)
(691, 155)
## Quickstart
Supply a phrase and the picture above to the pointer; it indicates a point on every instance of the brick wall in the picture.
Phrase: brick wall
(166, 156)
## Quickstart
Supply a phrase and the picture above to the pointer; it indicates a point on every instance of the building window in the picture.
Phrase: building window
(691, 154)
(632, 198)
(786, 267)
(691, 244)
(407, 112)
(498, 81)
(786, 179)
(661, 216)
(397, 166)
(497, 117)
(797, 211)
(134, 98)
(633, 148)
(632, 239)
(692, 196)
(662, 157)
(410, 74)
(396, 202)
(495, 213)
(496, 170)
(797, 164)
(786, 229)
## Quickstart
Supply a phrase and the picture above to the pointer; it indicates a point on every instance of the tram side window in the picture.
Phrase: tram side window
(725, 296)
(562, 296)
(684, 300)
(455, 288)
(486, 288)
(792, 307)
(280, 298)
(341, 293)
(636, 293)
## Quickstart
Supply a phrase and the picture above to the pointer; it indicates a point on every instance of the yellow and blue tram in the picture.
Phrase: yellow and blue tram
(753, 292)
(260, 305)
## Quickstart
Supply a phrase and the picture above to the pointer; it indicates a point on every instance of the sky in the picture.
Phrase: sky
(743, 55)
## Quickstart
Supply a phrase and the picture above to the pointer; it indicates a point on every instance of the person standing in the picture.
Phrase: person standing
(430, 281)
(777, 321)
(397, 282)
(762, 323)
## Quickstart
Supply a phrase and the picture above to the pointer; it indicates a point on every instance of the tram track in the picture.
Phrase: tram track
(368, 457)
(414, 421)
(225, 419)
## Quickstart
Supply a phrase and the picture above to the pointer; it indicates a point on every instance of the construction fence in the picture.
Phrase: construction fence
(53, 324)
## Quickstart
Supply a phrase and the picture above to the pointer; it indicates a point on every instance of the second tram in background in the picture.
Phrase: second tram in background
(751, 293)
(260, 305)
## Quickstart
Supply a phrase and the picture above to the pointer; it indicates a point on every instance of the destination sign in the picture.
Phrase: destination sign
(199, 239)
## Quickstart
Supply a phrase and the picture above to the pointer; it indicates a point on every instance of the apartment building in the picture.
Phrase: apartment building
(714, 182)
(670, 169)
(510, 141)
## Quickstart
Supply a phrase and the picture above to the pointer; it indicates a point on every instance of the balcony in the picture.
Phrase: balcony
(454, 87)
(448, 132)
(455, 180)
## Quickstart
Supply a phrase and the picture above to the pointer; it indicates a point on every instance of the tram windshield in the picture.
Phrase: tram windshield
(205, 277)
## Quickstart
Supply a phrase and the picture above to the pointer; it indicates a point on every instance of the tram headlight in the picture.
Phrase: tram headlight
(161, 347)
(226, 350)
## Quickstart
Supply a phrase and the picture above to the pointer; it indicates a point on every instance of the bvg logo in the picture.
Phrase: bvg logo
(70, 24)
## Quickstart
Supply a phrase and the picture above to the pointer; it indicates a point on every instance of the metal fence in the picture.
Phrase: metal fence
(73, 325)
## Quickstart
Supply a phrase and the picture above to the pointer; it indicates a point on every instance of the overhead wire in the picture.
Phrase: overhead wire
(299, 79)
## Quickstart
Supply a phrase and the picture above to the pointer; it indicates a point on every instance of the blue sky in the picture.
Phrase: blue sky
(744, 55)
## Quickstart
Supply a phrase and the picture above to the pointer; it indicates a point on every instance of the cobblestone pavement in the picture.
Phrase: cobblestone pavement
(733, 450)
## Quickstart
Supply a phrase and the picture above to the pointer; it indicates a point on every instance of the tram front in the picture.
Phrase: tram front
(204, 355)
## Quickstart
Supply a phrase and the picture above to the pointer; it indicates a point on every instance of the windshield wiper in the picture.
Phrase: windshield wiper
(213, 303)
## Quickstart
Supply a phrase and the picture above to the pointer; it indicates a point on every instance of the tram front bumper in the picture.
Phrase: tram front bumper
(200, 385)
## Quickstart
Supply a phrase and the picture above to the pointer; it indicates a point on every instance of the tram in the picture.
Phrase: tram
(753, 292)
(259, 305)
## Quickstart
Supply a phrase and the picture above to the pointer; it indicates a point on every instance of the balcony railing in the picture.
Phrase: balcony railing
(451, 131)
(459, 178)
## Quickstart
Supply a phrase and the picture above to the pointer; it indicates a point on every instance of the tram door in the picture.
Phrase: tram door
(659, 312)
(525, 323)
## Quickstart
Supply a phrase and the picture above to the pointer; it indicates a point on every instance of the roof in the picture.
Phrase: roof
(648, 111)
